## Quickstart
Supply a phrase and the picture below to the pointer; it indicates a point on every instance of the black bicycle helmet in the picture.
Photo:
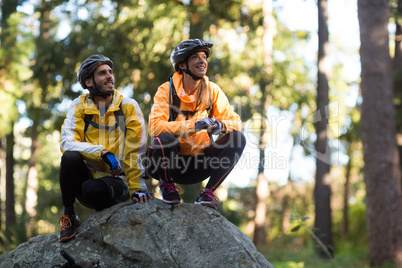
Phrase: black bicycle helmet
(89, 65)
(187, 48)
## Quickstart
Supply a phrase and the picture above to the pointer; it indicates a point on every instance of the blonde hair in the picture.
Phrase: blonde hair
(204, 98)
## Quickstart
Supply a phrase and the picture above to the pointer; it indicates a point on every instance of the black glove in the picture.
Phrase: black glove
(111, 160)
(216, 127)
(203, 124)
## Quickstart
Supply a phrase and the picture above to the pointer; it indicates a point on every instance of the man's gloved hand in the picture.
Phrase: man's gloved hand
(203, 124)
(216, 127)
(111, 160)
(141, 197)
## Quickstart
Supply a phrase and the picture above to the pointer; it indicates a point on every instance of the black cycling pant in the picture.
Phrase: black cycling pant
(164, 163)
(76, 181)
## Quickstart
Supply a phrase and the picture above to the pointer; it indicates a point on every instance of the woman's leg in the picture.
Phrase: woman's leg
(161, 155)
(222, 156)
(216, 162)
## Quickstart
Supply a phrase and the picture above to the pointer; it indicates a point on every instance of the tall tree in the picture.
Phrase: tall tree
(10, 195)
(352, 143)
(397, 70)
(322, 189)
(262, 188)
(8, 38)
(38, 102)
(381, 170)
(2, 176)
(397, 61)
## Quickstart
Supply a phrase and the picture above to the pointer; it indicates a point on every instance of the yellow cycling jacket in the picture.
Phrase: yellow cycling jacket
(191, 143)
(128, 148)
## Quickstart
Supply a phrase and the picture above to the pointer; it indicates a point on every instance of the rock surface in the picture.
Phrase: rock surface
(145, 235)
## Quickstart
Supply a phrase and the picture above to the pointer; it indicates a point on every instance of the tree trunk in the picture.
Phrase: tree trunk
(7, 8)
(262, 188)
(2, 178)
(289, 195)
(36, 114)
(397, 70)
(381, 170)
(10, 198)
(322, 190)
(345, 211)
(262, 194)
(197, 18)
(397, 62)
(285, 222)
(32, 183)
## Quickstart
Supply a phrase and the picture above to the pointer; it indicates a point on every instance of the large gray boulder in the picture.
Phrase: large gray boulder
(145, 235)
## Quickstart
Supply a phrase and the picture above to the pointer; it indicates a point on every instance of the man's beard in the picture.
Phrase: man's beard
(100, 87)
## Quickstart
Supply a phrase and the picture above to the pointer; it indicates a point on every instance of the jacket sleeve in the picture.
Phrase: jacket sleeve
(135, 146)
(223, 111)
(72, 134)
(159, 117)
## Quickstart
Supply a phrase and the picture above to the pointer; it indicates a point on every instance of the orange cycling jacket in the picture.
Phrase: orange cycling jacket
(191, 142)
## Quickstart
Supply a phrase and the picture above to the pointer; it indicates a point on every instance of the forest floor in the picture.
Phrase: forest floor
(298, 255)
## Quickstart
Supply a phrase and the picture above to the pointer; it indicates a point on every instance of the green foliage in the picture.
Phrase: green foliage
(239, 205)
(14, 62)
(48, 161)
(306, 257)
(300, 222)
(291, 251)
(139, 37)
(12, 238)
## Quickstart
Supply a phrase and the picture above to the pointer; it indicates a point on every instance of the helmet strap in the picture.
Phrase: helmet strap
(187, 71)
(94, 91)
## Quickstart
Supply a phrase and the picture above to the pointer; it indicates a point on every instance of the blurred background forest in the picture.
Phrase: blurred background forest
(304, 178)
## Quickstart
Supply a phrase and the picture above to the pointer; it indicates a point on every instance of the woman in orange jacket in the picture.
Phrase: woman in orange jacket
(187, 111)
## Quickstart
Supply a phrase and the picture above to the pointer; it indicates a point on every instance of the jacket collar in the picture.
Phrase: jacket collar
(90, 106)
(178, 84)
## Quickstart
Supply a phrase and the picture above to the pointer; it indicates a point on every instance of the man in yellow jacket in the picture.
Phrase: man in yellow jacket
(102, 141)
(187, 111)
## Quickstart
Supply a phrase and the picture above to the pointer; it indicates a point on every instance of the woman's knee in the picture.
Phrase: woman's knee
(165, 141)
(239, 139)
(233, 139)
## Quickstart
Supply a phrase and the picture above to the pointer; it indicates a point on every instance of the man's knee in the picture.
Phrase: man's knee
(70, 158)
(93, 190)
